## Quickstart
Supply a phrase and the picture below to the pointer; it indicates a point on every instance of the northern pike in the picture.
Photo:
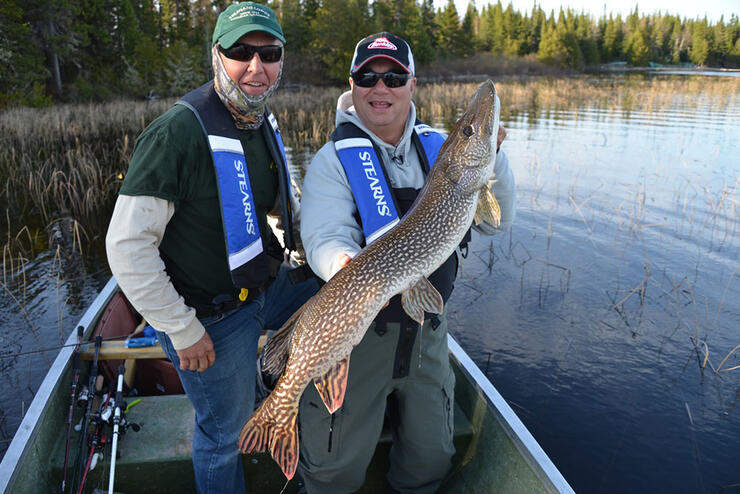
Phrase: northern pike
(316, 342)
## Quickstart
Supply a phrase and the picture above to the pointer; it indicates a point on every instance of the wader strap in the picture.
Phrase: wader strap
(301, 274)
(404, 348)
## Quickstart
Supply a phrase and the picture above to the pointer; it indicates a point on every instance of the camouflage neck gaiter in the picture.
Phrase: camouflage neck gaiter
(247, 111)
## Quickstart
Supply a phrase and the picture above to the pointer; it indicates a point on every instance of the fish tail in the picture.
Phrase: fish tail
(260, 433)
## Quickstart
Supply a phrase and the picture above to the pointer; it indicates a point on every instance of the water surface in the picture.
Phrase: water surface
(594, 314)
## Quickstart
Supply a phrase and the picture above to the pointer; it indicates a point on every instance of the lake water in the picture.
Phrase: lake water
(592, 316)
(622, 262)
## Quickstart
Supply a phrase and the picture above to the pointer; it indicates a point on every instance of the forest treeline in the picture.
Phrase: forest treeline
(83, 50)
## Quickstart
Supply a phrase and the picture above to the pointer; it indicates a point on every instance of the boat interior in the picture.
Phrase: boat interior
(157, 457)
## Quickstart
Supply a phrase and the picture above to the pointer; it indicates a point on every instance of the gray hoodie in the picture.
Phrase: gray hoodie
(328, 224)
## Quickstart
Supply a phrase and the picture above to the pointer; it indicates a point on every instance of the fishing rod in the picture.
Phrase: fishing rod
(41, 350)
(75, 379)
(97, 440)
(116, 424)
(86, 418)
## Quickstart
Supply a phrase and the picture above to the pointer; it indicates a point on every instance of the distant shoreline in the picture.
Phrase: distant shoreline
(611, 67)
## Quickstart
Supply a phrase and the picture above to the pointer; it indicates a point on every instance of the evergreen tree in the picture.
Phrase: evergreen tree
(295, 29)
(533, 31)
(552, 51)
(636, 49)
(127, 29)
(333, 45)
(413, 30)
(612, 44)
(497, 35)
(469, 28)
(699, 43)
(53, 31)
(512, 32)
(22, 70)
(429, 24)
(587, 35)
(450, 39)
(383, 15)
(680, 42)
(559, 45)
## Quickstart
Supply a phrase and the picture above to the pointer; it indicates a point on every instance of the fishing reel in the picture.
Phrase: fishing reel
(82, 397)
(108, 411)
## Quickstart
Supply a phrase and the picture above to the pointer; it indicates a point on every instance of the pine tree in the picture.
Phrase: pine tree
(469, 28)
(334, 35)
(552, 51)
(699, 43)
(533, 31)
(450, 40)
(295, 29)
(429, 25)
(512, 31)
(412, 29)
(612, 45)
(22, 69)
(127, 29)
(636, 49)
(587, 35)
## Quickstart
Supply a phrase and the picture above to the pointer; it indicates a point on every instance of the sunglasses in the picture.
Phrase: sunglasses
(244, 52)
(390, 79)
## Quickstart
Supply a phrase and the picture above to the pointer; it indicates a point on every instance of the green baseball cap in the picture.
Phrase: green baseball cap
(242, 18)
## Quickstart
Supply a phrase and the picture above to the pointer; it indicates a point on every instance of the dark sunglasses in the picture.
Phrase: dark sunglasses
(390, 79)
(244, 52)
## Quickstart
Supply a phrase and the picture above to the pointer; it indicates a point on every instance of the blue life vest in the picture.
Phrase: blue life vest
(249, 264)
(367, 178)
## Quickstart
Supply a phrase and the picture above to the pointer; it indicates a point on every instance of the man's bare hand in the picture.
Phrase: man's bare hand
(344, 259)
(500, 137)
(198, 356)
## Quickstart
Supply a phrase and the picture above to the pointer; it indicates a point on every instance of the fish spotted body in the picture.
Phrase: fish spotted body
(316, 342)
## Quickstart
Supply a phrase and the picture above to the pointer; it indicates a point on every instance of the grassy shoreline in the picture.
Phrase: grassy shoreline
(67, 161)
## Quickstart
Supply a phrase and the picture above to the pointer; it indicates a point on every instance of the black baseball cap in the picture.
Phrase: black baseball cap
(383, 45)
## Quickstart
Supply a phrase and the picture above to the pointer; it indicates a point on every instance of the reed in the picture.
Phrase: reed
(68, 161)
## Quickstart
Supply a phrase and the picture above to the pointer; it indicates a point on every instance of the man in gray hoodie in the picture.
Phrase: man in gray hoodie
(345, 206)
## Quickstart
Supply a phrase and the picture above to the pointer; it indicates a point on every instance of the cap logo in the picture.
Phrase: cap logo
(382, 44)
(249, 11)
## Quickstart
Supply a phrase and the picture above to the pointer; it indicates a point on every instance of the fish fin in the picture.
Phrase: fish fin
(487, 208)
(332, 385)
(277, 349)
(281, 439)
(284, 445)
(420, 298)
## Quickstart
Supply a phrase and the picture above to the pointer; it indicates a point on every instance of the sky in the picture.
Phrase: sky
(692, 9)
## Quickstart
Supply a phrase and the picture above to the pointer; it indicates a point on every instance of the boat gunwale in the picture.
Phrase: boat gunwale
(24, 436)
(527, 445)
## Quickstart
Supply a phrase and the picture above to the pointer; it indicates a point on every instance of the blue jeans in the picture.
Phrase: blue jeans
(223, 394)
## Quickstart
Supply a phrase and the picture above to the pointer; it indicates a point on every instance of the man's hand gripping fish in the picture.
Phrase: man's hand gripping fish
(317, 340)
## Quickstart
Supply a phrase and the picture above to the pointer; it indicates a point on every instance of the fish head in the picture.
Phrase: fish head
(469, 153)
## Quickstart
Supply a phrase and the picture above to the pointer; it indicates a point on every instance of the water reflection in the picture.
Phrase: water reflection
(615, 293)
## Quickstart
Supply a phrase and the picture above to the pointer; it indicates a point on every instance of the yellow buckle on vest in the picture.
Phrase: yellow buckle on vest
(243, 294)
